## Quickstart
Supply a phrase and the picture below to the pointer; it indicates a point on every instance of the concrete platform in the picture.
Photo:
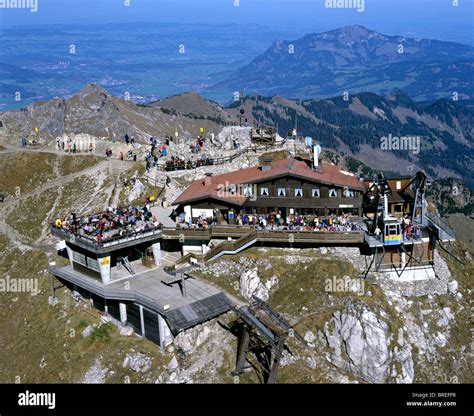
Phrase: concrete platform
(202, 301)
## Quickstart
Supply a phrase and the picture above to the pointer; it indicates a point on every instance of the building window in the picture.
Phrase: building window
(332, 193)
(399, 185)
(299, 192)
(264, 192)
(281, 192)
(316, 193)
(248, 190)
(348, 193)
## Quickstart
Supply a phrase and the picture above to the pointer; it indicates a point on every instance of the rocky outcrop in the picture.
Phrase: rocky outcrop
(138, 362)
(403, 357)
(189, 341)
(198, 351)
(453, 286)
(137, 191)
(359, 341)
(251, 285)
(96, 374)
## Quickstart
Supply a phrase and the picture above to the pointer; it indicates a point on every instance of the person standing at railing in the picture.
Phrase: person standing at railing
(377, 232)
(417, 233)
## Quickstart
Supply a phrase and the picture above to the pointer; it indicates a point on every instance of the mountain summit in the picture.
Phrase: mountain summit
(357, 59)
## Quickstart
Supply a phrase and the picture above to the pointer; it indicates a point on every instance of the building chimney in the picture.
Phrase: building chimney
(266, 163)
(316, 153)
(208, 179)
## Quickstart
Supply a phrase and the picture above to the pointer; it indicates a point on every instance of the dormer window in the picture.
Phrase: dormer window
(248, 190)
(349, 193)
(332, 193)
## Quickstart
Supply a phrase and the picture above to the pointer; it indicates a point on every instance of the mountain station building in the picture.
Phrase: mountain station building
(293, 186)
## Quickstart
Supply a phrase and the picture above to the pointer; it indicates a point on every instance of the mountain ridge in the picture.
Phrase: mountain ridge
(356, 59)
(354, 126)
(93, 110)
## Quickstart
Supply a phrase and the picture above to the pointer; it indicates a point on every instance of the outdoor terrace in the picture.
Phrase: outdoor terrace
(106, 245)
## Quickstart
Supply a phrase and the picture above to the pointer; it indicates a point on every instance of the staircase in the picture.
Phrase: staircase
(128, 266)
(170, 258)
(231, 247)
(227, 247)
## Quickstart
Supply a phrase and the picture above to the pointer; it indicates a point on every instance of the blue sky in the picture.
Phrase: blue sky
(431, 18)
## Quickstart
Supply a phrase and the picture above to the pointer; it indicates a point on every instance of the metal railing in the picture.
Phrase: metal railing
(189, 165)
(106, 242)
(106, 291)
(445, 231)
(345, 237)
(231, 246)
(239, 231)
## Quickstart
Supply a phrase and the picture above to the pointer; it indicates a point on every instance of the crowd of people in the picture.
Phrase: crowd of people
(110, 223)
(29, 142)
(197, 146)
(156, 151)
(131, 155)
(180, 163)
(409, 231)
(298, 222)
(275, 221)
(71, 145)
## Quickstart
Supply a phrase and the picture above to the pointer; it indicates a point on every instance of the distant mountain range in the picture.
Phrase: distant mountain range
(355, 59)
(353, 127)
(356, 127)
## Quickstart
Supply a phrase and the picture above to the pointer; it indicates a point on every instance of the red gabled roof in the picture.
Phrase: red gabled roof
(208, 187)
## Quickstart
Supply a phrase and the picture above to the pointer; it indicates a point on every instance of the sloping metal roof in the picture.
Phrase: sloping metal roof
(198, 312)
(295, 167)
